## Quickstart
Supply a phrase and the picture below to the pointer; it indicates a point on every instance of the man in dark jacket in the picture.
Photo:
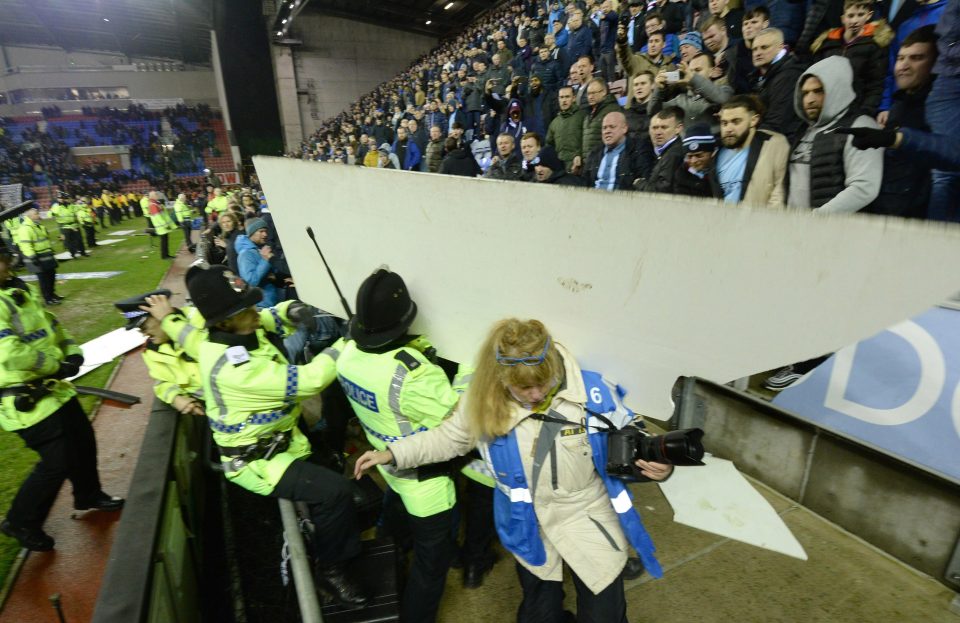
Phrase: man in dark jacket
(608, 36)
(549, 169)
(547, 70)
(774, 80)
(580, 42)
(539, 105)
(620, 162)
(565, 134)
(506, 164)
(406, 151)
(665, 129)
(459, 160)
(696, 177)
(905, 189)
(601, 103)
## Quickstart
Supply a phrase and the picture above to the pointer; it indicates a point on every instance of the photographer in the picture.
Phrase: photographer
(530, 409)
(36, 354)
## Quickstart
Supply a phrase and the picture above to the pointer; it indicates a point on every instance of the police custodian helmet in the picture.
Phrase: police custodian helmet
(384, 310)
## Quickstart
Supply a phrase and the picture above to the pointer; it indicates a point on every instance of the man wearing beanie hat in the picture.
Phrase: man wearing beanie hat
(696, 176)
(691, 44)
(253, 262)
(253, 404)
(549, 169)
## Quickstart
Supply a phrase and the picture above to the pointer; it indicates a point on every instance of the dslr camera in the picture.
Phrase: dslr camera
(627, 445)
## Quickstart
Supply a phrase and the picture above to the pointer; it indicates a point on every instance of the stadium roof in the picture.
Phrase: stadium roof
(409, 15)
(174, 29)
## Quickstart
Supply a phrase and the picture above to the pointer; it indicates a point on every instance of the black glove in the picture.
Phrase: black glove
(869, 138)
(69, 367)
(301, 313)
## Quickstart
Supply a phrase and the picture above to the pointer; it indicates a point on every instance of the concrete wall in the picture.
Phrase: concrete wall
(192, 85)
(341, 60)
(909, 513)
(43, 55)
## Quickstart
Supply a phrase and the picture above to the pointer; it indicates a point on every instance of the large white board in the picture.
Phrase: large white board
(643, 287)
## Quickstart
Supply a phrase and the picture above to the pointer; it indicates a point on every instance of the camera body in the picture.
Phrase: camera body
(627, 445)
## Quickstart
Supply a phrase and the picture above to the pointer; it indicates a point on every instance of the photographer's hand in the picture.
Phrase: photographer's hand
(369, 459)
(654, 470)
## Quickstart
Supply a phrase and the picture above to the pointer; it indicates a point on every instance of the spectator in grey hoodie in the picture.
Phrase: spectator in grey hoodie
(827, 173)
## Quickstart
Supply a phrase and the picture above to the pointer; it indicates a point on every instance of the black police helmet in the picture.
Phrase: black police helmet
(384, 310)
(130, 308)
(217, 293)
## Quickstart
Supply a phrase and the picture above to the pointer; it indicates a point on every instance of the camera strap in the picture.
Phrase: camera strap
(549, 418)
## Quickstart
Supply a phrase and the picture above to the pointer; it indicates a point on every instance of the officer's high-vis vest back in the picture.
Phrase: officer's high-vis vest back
(397, 394)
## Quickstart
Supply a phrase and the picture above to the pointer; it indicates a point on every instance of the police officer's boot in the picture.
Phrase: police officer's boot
(332, 578)
(33, 539)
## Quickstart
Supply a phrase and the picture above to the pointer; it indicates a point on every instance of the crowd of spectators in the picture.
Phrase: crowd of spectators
(41, 156)
(834, 105)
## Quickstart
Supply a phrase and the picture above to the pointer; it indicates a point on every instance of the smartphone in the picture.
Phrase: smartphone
(672, 76)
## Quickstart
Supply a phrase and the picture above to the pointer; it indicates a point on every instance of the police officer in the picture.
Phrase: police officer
(36, 354)
(34, 242)
(176, 373)
(87, 219)
(161, 222)
(397, 391)
(253, 398)
(184, 213)
(66, 217)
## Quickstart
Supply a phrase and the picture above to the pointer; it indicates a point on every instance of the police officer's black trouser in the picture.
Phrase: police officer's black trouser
(101, 212)
(68, 450)
(114, 215)
(479, 528)
(433, 548)
(73, 241)
(543, 601)
(91, 233)
(47, 279)
(187, 228)
(330, 499)
(164, 246)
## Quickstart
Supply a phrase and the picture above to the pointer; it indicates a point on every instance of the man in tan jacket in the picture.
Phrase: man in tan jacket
(751, 164)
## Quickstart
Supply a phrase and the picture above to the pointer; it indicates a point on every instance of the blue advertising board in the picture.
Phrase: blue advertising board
(898, 391)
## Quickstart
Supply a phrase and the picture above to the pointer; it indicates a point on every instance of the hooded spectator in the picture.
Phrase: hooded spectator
(827, 173)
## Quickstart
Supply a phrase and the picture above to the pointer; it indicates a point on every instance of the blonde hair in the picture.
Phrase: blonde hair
(488, 400)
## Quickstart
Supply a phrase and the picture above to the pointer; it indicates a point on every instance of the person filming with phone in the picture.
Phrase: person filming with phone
(692, 88)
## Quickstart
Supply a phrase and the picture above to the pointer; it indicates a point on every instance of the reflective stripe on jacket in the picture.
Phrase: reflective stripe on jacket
(174, 372)
(252, 392)
(32, 345)
(397, 394)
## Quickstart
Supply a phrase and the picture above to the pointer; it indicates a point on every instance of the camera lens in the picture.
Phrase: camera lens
(679, 447)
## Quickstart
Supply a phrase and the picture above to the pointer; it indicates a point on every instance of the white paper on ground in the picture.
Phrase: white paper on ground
(108, 241)
(717, 498)
(107, 347)
(64, 256)
(641, 287)
(123, 232)
(70, 276)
